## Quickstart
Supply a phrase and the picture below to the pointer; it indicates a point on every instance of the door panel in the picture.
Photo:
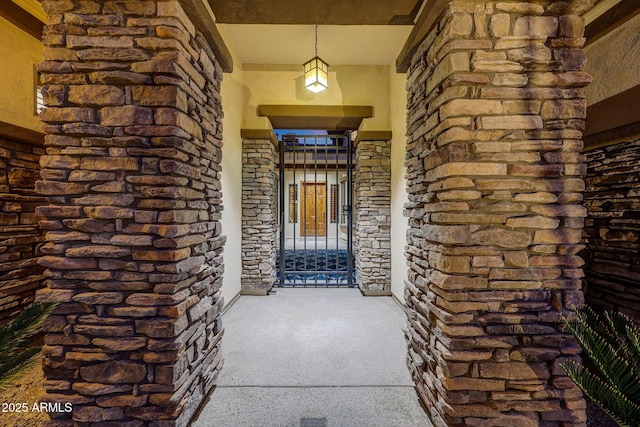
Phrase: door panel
(314, 209)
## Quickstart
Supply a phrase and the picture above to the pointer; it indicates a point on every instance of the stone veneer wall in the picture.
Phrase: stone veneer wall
(134, 252)
(259, 215)
(372, 222)
(20, 235)
(496, 111)
(612, 227)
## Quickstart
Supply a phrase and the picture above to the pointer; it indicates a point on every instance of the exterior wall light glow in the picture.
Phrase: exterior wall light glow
(316, 72)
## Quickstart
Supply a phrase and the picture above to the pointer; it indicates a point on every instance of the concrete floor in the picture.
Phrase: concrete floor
(314, 353)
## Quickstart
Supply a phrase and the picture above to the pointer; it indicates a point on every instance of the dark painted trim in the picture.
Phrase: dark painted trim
(429, 17)
(18, 133)
(226, 308)
(614, 112)
(321, 12)
(21, 18)
(611, 19)
(626, 133)
(330, 117)
(202, 19)
(363, 111)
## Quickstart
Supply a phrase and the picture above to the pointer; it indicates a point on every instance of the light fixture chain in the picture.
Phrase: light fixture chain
(316, 71)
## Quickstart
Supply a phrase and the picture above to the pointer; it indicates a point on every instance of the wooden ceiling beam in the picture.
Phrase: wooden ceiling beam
(13, 132)
(613, 112)
(21, 18)
(611, 19)
(425, 22)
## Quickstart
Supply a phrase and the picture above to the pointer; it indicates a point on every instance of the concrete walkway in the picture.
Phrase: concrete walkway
(314, 354)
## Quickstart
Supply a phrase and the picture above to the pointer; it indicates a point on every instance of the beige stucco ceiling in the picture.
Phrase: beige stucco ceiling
(337, 44)
(363, 32)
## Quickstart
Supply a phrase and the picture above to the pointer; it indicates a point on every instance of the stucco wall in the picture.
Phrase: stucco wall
(616, 54)
(348, 85)
(232, 106)
(17, 85)
(398, 104)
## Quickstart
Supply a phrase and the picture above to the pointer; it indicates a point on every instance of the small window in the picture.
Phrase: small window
(293, 202)
(39, 100)
(334, 203)
(343, 202)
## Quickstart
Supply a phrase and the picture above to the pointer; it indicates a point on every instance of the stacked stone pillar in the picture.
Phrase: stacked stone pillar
(372, 213)
(496, 112)
(20, 235)
(612, 229)
(259, 211)
(134, 250)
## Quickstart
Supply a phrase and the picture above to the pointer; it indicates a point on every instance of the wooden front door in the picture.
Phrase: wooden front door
(314, 209)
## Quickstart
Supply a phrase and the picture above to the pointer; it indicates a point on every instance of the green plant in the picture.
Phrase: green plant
(612, 343)
(15, 350)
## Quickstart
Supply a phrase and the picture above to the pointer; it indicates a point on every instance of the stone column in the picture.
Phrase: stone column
(20, 235)
(496, 112)
(259, 211)
(372, 208)
(612, 228)
(132, 172)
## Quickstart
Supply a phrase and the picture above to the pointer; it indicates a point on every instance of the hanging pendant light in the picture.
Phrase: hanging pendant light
(316, 72)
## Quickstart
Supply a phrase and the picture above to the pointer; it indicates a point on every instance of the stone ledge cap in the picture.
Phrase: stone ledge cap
(265, 134)
(372, 135)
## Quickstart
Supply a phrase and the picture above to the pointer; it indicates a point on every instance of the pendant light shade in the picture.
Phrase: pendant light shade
(316, 75)
(316, 72)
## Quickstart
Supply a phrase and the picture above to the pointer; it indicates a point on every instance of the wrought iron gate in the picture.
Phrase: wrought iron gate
(315, 211)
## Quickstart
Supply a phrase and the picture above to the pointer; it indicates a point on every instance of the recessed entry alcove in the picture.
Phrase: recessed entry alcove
(465, 156)
(320, 182)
